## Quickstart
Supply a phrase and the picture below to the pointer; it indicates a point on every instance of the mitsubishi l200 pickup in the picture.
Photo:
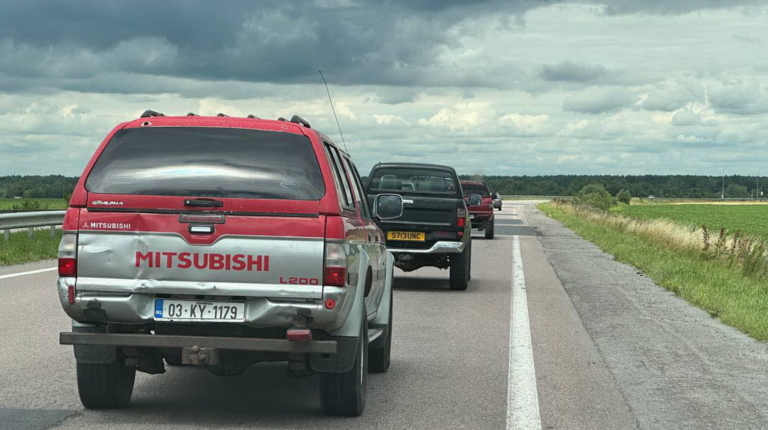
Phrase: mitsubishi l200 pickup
(222, 242)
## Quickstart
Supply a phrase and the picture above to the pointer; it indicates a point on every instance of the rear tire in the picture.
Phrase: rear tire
(105, 386)
(379, 358)
(459, 277)
(489, 231)
(344, 393)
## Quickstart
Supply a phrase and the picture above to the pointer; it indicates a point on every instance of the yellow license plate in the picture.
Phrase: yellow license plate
(407, 235)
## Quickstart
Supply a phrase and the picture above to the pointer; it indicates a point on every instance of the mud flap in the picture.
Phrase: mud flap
(90, 354)
(340, 362)
(93, 354)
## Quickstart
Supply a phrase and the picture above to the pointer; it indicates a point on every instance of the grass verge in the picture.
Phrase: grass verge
(710, 281)
(33, 204)
(23, 249)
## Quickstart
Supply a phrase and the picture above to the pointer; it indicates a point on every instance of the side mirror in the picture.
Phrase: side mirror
(388, 206)
(475, 200)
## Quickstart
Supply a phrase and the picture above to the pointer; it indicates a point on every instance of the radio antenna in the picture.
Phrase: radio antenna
(334, 111)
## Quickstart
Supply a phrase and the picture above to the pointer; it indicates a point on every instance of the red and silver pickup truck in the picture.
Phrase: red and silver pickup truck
(223, 242)
(480, 213)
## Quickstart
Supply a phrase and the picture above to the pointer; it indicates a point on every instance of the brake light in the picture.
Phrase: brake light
(67, 267)
(68, 255)
(461, 217)
(335, 272)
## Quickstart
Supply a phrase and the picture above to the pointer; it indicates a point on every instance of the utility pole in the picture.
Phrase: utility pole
(757, 184)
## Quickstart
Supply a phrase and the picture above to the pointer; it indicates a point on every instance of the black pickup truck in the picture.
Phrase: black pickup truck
(433, 227)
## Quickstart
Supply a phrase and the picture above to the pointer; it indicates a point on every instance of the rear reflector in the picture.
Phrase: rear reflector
(71, 295)
(330, 303)
(299, 335)
(67, 267)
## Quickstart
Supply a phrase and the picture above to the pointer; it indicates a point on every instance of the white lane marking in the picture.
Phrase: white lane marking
(31, 272)
(522, 396)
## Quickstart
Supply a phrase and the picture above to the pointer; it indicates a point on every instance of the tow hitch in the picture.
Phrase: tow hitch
(198, 356)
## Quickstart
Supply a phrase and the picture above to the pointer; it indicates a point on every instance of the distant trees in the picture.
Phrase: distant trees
(670, 186)
(51, 186)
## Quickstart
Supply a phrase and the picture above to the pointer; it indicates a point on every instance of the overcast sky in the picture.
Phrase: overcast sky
(517, 87)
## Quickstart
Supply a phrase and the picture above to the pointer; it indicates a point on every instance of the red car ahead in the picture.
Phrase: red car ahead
(480, 214)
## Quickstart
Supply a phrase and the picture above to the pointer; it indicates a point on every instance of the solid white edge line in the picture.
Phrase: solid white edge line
(522, 395)
(31, 272)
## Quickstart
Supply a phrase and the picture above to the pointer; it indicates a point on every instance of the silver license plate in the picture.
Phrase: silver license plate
(199, 310)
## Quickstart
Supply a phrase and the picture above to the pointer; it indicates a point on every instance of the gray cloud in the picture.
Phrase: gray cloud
(672, 7)
(669, 98)
(685, 117)
(568, 71)
(599, 100)
(743, 98)
(369, 42)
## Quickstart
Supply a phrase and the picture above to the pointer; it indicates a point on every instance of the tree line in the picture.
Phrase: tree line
(664, 186)
(51, 186)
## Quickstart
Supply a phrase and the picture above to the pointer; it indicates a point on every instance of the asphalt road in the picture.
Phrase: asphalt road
(610, 350)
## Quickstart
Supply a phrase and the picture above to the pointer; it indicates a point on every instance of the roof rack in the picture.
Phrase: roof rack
(148, 113)
(192, 114)
(298, 120)
(221, 114)
(252, 117)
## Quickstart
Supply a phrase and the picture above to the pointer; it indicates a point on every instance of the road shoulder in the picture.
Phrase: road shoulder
(676, 366)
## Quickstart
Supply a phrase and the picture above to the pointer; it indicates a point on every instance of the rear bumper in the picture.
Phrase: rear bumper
(134, 308)
(481, 218)
(442, 247)
(227, 343)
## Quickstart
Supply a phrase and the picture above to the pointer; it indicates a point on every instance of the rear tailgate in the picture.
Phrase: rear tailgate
(429, 219)
(155, 253)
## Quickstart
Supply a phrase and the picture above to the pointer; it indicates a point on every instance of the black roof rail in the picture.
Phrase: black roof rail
(221, 114)
(252, 117)
(191, 114)
(282, 119)
(148, 113)
(299, 120)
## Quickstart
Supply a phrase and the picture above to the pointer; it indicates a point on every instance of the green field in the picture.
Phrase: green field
(749, 218)
(40, 204)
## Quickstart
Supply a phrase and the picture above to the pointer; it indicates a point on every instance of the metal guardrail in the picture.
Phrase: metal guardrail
(31, 220)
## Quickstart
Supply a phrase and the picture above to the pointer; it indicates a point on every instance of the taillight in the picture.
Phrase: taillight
(67, 267)
(461, 217)
(335, 273)
(68, 255)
